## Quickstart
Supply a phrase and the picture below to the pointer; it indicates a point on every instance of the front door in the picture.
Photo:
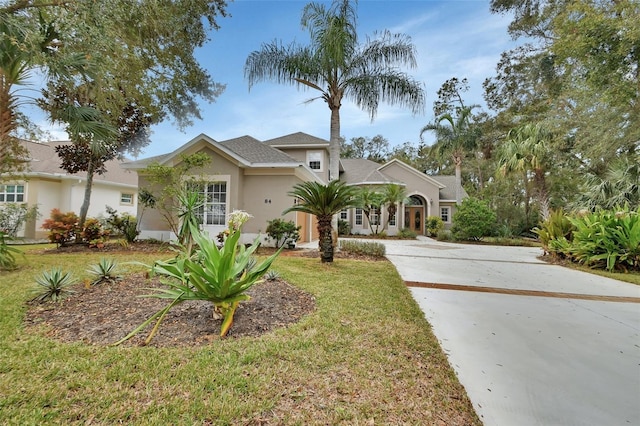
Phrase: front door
(414, 218)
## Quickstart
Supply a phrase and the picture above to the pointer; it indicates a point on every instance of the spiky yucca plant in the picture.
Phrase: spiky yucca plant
(53, 285)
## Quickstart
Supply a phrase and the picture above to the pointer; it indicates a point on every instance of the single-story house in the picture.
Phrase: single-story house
(256, 176)
(46, 185)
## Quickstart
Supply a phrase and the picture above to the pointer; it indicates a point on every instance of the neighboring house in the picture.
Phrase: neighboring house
(254, 176)
(48, 186)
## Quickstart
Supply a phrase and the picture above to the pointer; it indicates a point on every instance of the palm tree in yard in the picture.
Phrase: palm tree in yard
(527, 151)
(323, 201)
(456, 136)
(338, 67)
(393, 194)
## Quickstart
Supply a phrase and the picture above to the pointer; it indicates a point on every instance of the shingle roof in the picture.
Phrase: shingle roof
(44, 159)
(449, 191)
(298, 139)
(360, 170)
(257, 152)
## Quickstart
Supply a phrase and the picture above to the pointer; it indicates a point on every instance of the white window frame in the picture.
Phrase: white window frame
(393, 219)
(445, 211)
(315, 156)
(204, 182)
(124, 195)
(18, 196)
(358, 217)
(375, 216)
(344, 215)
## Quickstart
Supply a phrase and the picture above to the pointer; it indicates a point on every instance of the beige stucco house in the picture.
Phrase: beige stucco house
(254, 176)
(46, 185)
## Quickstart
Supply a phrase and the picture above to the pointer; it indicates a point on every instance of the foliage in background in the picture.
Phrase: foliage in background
(105, 271)
(433, 225)
(473, 220)
(53, 285)
(7, 253)
(283, 231)
(13, 216)
(124, 224)
(368, 248)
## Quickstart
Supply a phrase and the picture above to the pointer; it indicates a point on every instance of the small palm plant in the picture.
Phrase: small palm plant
(105, 271)
(219, 275)
(53, 285)
(7, 253)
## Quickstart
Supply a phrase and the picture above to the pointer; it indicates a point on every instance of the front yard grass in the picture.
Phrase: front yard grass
(365, 356)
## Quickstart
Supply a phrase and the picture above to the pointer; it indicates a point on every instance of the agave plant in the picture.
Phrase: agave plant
(219, 275)
(106, 270)
(53, 285)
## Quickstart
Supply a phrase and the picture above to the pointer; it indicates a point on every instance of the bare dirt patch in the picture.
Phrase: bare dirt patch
(103, 314)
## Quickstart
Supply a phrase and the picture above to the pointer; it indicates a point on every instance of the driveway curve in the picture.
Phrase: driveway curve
(532, 343)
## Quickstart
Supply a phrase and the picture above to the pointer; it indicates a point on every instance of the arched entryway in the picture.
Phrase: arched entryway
(414, 214)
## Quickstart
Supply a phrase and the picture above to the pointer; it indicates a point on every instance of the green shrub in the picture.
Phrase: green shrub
(407, 233)
(94, 233)
(607, 239)
(444, 235)
(368, 248)
(62, 227)
(556, 227)
(124, 224)
(473, 220)
(105, 271)
(343, 227)
(433, 224)
(283, 232)
(7, 253)
(53, 285)
(13, 216)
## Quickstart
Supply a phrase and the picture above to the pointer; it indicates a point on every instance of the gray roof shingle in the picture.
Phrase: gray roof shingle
(449, 190)
(45, 160)
(256, 152)
(298, 139)
(360, 170)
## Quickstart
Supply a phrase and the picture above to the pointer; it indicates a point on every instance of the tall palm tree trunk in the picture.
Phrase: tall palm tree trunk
(326, 239)
(458, 163)
(334, 144)
(84, 209)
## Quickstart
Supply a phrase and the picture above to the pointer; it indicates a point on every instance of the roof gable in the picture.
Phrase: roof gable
(397, 163)
(360, 171)
(298, 140)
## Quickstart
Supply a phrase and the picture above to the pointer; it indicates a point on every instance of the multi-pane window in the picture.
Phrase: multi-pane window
(126, 198)
(11, 193)
(214, 208)
(344, 215)
(392, 219)
(374, 216)
(358, 217)
(314, 160)
(445, 214)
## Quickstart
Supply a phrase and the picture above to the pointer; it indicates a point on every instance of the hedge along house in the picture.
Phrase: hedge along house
(246, 174)
(46, 185)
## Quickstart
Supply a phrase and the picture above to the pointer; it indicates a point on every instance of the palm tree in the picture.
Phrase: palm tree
(322, 201)
(368, 200)
(338, 67)
(393, 194)
(527, 151)
(455, 139)
(619, 186)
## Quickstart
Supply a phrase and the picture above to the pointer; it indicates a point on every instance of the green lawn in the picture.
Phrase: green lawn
(365, 356)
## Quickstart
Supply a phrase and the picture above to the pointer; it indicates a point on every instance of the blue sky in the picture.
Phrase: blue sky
(453, 39)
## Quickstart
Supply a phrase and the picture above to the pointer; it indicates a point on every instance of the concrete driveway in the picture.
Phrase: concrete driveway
(532, 343)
